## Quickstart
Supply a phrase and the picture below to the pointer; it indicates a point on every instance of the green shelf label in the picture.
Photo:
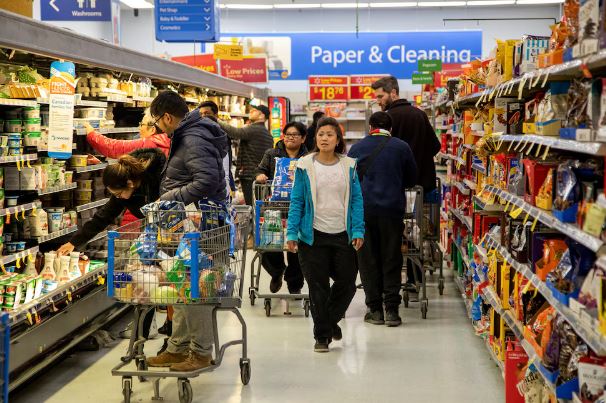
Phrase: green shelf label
(422, 78)
(429, 65)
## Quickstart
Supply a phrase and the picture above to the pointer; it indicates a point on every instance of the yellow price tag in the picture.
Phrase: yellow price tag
(536, 154)
(18, 165)
(507, 206)
(28, 164)
(100, 280)
(545, 153)
(18, 263)
(17, 214)
(526, 218)
(34, 211)
(8, 217)
(69, 295)
(3, 269)
(36, 317)
(30, 257)
(29, 318)
(23, 214)
(534, 224)
(526, 287)
(516, 213)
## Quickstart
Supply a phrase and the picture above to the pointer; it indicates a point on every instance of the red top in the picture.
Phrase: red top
(113, 148)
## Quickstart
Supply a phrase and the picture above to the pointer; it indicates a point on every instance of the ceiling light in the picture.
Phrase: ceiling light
(221, 5)
(539, 1)
(137, 3)
(249, 6)
(394, 5)
(441, 4)
(490, 3)
(344, 5)
(297, 6)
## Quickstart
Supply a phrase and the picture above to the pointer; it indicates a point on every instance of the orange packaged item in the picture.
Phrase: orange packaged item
(553, 250)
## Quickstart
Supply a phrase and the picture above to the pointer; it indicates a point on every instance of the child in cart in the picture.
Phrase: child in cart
(326, 226)
(292, 147)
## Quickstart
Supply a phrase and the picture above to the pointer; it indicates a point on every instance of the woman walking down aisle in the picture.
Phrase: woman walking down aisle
(326, 226)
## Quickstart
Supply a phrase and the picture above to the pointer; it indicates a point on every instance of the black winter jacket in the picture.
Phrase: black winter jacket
(268, 163)
(254, 141)
(412, 125)
(147, 192)
(194, 169)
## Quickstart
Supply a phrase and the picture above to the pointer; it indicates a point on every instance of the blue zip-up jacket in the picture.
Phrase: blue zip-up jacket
(303, 197)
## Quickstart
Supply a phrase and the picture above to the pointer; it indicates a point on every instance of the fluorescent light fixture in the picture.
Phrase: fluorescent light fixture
(490, 3)
(249, 6)
(297, 6)
(344, 5)
(441, 3)
(221, 5)
(137, 3)
(394, 5)
(524, 2)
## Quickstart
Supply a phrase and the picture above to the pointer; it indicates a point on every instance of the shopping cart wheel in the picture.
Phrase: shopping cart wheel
(142, 366)
(127, 390)
(441, 286)
(424, 307)
(405, 298)
(245, 371)
(306, 308)
(186, 395)
(251, 293)
(267, 307)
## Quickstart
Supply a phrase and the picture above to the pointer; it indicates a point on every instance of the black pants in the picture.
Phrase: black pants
(330, 257)
(247, 190)
(273, 262)
(380, 261)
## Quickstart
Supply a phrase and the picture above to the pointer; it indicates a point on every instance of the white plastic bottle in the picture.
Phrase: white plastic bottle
(48, 271)
(74, 265)
(64, 276)
(30, 268)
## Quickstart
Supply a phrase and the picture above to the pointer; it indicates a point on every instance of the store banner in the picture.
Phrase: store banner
(187, 20)
(253, 70)
(61, 109)
(347, 53)
(360, 86)
(203, 62)
(75, 10)
(328, 88)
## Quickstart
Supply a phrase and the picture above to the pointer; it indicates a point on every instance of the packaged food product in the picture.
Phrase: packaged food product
(78, 160)
(32, 138)
(32, 125)
(54, 221)
(13, 125)
(31, 112)
(284, 176)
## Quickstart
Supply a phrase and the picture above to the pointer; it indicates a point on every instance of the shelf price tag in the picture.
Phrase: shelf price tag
(516, 213)
(100, 280)
(360, 87)
(328, 88)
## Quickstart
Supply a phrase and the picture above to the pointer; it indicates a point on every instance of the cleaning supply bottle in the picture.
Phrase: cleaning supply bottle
(48, 271)
(64, 276)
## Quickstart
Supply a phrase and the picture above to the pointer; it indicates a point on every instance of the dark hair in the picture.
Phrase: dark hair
(387, 84)
(327, 121)
(297, 125)
(316, 116)
(128, 168)
(210, 104)
(380, 120)
(168, 102)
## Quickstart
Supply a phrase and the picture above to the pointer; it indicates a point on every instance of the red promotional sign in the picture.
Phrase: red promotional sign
(203, 62)
(360, 87)
(328, 88)
(253, 70)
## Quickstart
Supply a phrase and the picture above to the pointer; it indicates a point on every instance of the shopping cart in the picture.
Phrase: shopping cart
(271, 204)
(431, 227)
(5, 334)
(182, 257)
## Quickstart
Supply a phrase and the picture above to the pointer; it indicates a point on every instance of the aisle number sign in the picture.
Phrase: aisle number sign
(228, 52)
(61, 109)
(187, 20)
(360, 87)
(328, 88)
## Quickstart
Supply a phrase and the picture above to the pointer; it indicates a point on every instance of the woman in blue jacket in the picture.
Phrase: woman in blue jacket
(326, 226)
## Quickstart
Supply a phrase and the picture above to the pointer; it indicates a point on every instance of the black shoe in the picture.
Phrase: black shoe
(164, 346)
(392, 319)
(167, 328)
(275, 285)
(321, 346)
(337, 333)
(294, 292)
(374, 317)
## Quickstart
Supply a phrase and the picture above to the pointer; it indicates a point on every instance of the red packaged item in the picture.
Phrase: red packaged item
(516, 362)
(536, 173)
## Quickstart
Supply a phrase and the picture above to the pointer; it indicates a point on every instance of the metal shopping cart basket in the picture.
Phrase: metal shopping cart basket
(432, 252)
(178, 256)
(271, 204)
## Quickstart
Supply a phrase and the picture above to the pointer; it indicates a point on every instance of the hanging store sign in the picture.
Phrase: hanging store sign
(203, 62)
(75, 10)
(422, 78)
(328, 88)
(187, 20)
(253, 70)
(61, 110)
(228, 52)
(429, 65)
(360, 87)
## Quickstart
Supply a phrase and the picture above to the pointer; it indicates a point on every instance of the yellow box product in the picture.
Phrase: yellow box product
(508, 65)
(506, 284)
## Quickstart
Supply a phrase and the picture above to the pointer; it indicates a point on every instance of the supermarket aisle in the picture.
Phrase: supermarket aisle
(434, 360)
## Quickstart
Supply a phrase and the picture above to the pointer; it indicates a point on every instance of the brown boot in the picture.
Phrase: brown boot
(166, 359)
(194, 362)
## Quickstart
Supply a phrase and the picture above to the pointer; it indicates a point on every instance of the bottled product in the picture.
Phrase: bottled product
(64, 275)
(30, 268)
(48, 271)
(74, 266)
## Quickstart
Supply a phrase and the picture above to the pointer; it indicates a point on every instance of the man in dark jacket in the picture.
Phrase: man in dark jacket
(291, 147)
(386, 167)
(254, 141)
(194, 171)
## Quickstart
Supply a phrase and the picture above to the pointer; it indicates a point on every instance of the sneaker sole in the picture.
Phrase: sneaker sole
(321, 350)
(393, 324)
(374, 322)
(162, 365)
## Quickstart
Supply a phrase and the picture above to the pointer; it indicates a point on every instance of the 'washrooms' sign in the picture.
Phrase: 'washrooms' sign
(76, 10)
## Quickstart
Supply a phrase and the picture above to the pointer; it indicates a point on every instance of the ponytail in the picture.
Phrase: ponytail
(128, 168)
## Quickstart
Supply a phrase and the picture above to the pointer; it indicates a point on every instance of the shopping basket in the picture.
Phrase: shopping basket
(179, 256)
(271, 205)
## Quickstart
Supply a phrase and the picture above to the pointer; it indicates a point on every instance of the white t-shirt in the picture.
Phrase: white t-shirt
(330, 198)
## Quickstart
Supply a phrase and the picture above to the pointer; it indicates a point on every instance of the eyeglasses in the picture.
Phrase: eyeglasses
(117, 194)
(147, 124)
(157, 120)
(293, 135)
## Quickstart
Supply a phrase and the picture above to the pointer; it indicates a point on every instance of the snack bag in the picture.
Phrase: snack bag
(184, 254)
(146, 245)
(210, 283)
(168, 215)
(284, 177)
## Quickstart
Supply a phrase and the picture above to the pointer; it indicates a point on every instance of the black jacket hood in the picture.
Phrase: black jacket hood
(195, 125)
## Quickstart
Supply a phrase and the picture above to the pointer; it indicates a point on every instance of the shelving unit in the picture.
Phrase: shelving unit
(57, 234)
(19, 209)
(63, 188)
(91, 205)
(91, 168)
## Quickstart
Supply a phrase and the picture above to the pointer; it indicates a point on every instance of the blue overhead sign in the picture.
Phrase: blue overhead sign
(299, 55)
(187, 20)
(75, 10)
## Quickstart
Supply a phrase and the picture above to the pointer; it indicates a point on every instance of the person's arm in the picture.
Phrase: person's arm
(357, 209)
(102, 218)
(409, 167)
(113, 148)
(297, 206)
(201, 164)
(264, 167)
(244, 133)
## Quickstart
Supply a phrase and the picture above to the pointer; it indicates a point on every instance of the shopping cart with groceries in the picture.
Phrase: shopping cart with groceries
(432, 252)
(179, 255)
(271, 205)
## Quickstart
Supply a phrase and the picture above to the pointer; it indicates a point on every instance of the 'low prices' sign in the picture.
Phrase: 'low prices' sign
(253, 70)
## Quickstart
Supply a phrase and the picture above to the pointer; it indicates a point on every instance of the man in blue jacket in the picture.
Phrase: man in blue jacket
(193, 171)
(386, 167)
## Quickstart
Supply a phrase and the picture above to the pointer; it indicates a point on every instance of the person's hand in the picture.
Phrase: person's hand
(292, 246)
(261, 178)
(88, 127)
(65, 249)
(357, 243)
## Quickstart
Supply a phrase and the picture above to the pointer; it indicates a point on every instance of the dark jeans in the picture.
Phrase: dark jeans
(273, 262)
(380, 261)
(330, 257)
(247, 190)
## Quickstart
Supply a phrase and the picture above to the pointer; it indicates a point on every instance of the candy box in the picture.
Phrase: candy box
(536, 173)
(515, 118)
(515, 361)
(532, 47)
(500, 114)
(589, 20)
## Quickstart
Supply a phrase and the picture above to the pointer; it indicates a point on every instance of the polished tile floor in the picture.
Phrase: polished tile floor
(434, 360)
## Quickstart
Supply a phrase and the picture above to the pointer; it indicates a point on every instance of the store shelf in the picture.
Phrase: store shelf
(463, 253)
(470, 184)
(549, 220)
(57, 234)
(593, 148)
(480, 168)
(109, 130)
(57, 189)
(487, 207)
(91, 168)
(465, 220)
(594, 339)
(91, 205)
(143, 99)
(191, 100)
(482, 253)
(4, 260)
(99, 236)
(20, 208)
(18, 158)
(17, 102)
(462, 188)
(494, 357)
(91, 103)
